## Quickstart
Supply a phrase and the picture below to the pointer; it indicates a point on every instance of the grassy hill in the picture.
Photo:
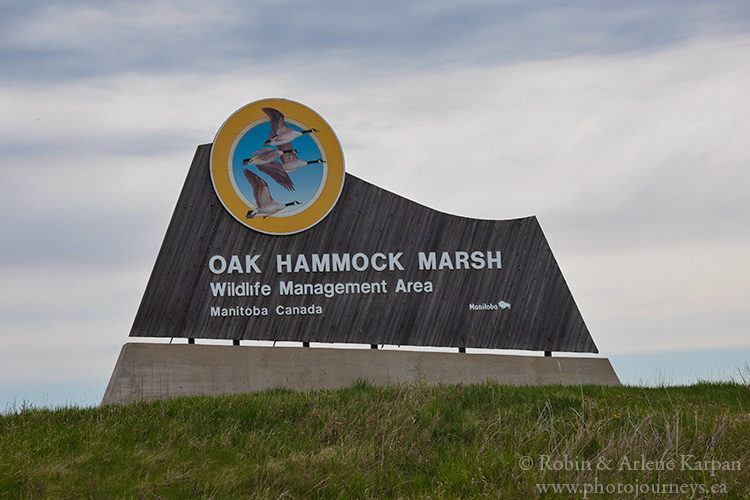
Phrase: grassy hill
(400, 441)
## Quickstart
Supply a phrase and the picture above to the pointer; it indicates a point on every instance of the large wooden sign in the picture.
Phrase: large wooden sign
(271, 240)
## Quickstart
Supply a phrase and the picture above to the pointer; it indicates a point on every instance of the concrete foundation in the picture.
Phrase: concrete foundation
(161, 371)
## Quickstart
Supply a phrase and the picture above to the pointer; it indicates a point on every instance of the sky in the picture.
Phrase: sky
(623, 126)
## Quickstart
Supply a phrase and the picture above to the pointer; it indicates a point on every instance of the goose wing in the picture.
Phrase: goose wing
(277, 121)
(261, 156)
(288, 152)
(260, 188)
(265, 154)
(277, 173)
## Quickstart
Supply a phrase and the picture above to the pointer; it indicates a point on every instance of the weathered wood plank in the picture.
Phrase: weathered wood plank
(367, 219)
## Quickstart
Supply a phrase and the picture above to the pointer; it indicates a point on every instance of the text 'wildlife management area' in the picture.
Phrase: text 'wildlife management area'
(334, 262)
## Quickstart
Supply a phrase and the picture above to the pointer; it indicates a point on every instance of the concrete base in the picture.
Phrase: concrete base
(161, 371)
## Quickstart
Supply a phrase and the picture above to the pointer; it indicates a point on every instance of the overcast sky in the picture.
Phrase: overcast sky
(622, 125)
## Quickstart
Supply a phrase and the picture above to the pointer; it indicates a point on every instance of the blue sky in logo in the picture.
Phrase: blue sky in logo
(306, 180)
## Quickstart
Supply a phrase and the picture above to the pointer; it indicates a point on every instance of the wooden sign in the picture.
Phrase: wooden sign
(259, 251)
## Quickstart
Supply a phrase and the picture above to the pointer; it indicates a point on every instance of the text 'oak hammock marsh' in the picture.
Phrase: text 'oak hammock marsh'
(345, 262)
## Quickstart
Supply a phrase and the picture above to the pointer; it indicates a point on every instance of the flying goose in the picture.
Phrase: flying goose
(262, 156)
(266, 205)
(290, 161)
(278, 173)
(280, 133)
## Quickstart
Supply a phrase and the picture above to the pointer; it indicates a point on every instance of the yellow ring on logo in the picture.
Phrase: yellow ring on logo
(220, 159)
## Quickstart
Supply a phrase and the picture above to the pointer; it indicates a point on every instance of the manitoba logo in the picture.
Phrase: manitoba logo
(277, 166)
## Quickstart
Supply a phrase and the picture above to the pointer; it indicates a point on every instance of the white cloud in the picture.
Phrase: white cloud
(635, 164)
(65, 322)
(88, 27)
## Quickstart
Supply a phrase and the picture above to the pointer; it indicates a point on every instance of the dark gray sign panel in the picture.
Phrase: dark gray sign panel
(378, 269)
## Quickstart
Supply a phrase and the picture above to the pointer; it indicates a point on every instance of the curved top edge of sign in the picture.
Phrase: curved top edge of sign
(533, 216)
(467, 217)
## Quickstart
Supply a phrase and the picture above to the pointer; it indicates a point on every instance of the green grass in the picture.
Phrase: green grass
(384, 442)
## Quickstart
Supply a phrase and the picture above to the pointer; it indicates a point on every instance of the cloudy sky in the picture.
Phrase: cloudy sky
(622, 125)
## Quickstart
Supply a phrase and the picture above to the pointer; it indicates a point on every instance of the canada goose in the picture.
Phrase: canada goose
(280, 133)
(262, 156)
(266, 205)
(278, 173)
(290, 161)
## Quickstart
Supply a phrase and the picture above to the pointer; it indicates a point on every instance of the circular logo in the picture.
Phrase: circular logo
(277, 166)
